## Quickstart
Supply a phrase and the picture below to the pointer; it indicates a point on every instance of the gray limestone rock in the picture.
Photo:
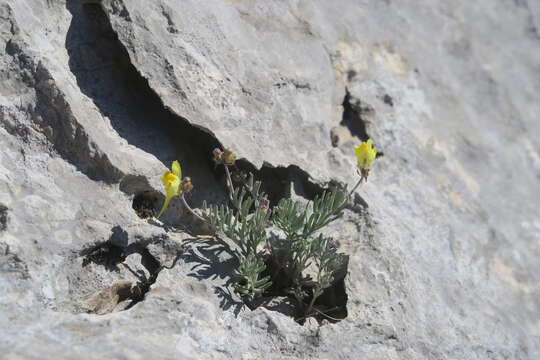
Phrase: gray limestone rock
(98, 97)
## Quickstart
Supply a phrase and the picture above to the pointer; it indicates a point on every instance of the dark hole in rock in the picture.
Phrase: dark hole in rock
(149, 261)
(3, 217)
(147, 203)
(277, 181)
(333, 302)
(353, 122)
(106, 254)
(144, 284)
(354, 117)
(122, 294)
(134, 184)
(388, 100)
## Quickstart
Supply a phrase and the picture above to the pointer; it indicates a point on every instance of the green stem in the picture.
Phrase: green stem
(229, 180)
(355, 186)
(328, 316)
(190, 209)
(165, 205)
(316, 294)
(323, 314)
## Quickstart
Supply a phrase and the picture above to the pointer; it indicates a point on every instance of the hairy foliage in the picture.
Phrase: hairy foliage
(297, 221)
(326, 260)
(249, 271)
(248, 231)
(245, 229)
(245, 223)
(301, 249)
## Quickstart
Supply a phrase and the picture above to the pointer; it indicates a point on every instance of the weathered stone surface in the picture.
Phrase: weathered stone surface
(98, 97)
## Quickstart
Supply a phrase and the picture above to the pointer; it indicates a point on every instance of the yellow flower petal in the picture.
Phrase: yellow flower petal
(365, 154)
(171, 182)
(176, 169)
(165, 205)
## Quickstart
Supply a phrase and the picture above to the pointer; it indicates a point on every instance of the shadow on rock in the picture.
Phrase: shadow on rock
(105, 74)
(212, 259)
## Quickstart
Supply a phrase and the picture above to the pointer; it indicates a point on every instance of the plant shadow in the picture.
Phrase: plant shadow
(213, 259)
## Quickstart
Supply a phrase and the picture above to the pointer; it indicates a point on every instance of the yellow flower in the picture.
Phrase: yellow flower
(365, 153)
(172, 183)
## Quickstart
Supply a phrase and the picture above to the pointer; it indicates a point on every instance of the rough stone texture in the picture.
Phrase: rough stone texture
(443, 241)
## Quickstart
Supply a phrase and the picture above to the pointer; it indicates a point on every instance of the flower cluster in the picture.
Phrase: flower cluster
(225, 157)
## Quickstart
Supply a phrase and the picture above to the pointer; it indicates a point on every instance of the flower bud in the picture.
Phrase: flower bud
(229, 157)
(187, 186)
(264, 203)
(364, 173)
(218, 155)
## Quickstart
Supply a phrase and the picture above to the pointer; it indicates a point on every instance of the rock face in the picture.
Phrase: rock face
(98, 97)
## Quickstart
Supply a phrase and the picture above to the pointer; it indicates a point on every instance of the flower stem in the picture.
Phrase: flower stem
(229, 180)
(355, 186)
(190, 209)
(323, 314)
(310, 306)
